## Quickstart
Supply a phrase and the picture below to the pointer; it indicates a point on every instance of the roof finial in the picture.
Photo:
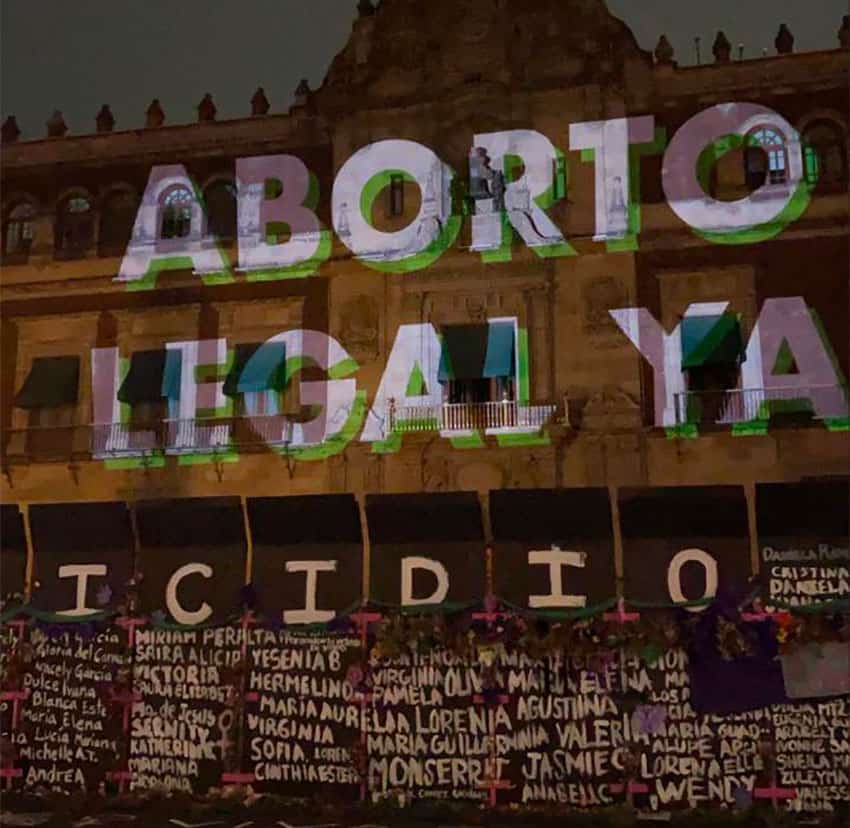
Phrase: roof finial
(722, 48)
(56, 126)
(10, 132)
(784, 41)
(154, 117)
(302, 92)
(664, 52)
(105, 120)
(259, 103)
(206, 108)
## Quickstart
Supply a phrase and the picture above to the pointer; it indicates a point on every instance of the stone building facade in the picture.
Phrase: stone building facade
(438, 78)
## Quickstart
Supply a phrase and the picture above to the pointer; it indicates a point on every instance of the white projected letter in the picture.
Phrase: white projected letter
(786, 332)
(169, 231)
(440, 591)
(81, 572)
(335, 398)
(309, 615)
(523, 198)
(663, 351)
(415, 355)
(275, 199)
(188, 395)
(775, 148)
(610, 142)
(180, 615)
(364, 176)
(556, 558)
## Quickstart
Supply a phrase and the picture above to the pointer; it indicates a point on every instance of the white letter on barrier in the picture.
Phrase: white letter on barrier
(440, 591)
(182, 616)
(81, 572)
(674, 575)
(309, 615)
(556, 558)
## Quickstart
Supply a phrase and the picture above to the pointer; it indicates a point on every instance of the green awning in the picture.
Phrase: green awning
(464, 352)
(264, 370)
(500, 361)
(144, 380)
(51, 382)
(711, 340)
(172, 374)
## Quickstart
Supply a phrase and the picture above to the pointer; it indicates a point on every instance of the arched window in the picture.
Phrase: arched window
(176, 221)
(220, 201)
(766, 157)
(116, 223)
(74, 227)
(825, 154)
(17, 232)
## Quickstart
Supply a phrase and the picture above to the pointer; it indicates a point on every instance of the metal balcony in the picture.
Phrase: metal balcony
(741, 405)
(66, 443)
(490, 417)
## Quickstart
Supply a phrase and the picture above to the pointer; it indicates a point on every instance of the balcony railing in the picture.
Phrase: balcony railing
(741, 405)
(507, 415)
(64, 443)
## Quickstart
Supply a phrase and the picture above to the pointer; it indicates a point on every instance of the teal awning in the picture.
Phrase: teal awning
(463, 353)
(242, 353)
(711, 340)
(477, 351)
(265, 369)
(500, 361)
(51, 382)
(172, 374)
(144, 380)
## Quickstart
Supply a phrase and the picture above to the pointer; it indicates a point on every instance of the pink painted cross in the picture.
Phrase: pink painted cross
(631, 787)
(16, 697)
(129, 623)
(122, 777)
(247, 621)
(621, 616)
(501, 699)
(493, 786)
(18, 624)
(490, 617)
(126, 700)
(8, 774)
(364, 698)
(761, 615)
(237, 778)
(774, 793)
(361, 620)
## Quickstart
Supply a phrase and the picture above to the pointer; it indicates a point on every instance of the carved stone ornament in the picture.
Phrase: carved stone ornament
(477, 309)
(359, 321)
(611, 409)
(599, 296)
(435, 473)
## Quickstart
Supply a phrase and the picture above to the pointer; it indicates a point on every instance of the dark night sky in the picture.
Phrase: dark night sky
(75, 55)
